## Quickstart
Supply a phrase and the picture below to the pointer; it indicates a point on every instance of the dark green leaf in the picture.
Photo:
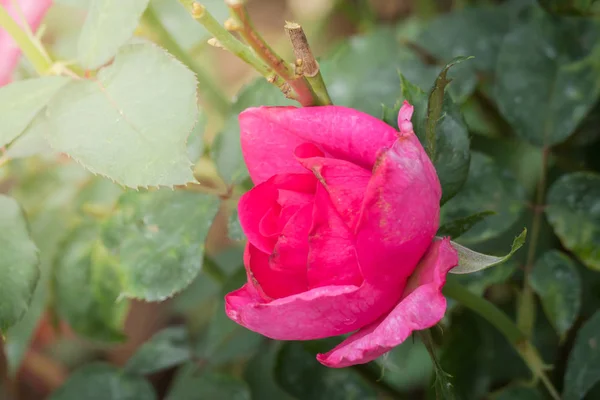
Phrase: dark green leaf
(260, 373)
(542, 88)
(301, 375)
(86, 286)
(470, 261)
(226, 341)
(193, 384)
(101, 381)
(166, 349)
(407, 367)
(19, 264)
(435, 106)
(159, 237)
(568, 7)
(574, 213)
(442, 381)
(518, 393)
(477, 282)
(458, 226)
(583, 367)
(556, 280)
(488, 187)
(229, 160)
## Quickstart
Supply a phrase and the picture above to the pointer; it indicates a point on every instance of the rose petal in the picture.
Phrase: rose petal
(331, 258)
(421, 307)
(271, 284)
(33, 11)
(258, 203)
(269, 136)
(399, 216)
(345, 182)
(291, 249)
(314, 314)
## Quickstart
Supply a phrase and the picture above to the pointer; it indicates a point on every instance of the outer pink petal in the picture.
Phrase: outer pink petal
(332, 258)
(269, 136)
(33, 11)
(345, 182)
(421, 307)
(400, 214)
(314, 314)
(271, 284)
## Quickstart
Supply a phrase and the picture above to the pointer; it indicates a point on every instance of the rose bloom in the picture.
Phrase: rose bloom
(340, 227)
(33, 11)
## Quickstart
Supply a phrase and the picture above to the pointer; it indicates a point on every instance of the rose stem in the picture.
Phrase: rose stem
(307, 62)
(226, 40)
(506, 326)
(211, 93)
(240, 21)
(40, 61)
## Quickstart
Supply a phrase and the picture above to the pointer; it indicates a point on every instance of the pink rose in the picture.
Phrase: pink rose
(33, 11)
(340, 229)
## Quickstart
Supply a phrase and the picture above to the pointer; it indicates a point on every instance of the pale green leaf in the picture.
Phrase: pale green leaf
(109, 24)
(19, 272)
(193, 384)
(472, 261)
(159, 237)
(132, 122)
(32, 141)
(100, 381)
(77, 272)
(21, 101)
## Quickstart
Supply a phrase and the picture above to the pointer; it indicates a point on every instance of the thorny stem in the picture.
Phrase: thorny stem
(225, 39)
(40, 61)
(525, 317)
(241, 22)
(207, 88)
(506, 326)
(306, 63)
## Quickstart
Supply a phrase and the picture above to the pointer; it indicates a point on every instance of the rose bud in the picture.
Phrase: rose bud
(340, 228)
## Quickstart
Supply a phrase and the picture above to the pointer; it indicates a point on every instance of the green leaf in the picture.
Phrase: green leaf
(19, 264)
(407, 367)
(109, 24)
(21, 101)
(166, 349)
(260, 373)
(234, 227)
(226, 341)
(229, 160)
(435, 106)
(458, 226)
(159, 237)
(518, 393)
(304, 378)
(477, 282)
(32, 141)
(488, 187)
(583, 367)
(472, 261)
(452, 157)
(573, 211)
(131, 123)
(100, 381)
(568, 7)
(192, 384)
(555, 279)
(86, 287)
(542, 89)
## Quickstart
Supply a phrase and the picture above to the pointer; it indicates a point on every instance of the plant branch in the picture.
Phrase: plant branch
(306, 62)
(40, 61)
(241, 22)
(207, 88)
(506, 326)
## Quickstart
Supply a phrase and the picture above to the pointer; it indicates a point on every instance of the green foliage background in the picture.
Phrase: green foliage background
(95, 219)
